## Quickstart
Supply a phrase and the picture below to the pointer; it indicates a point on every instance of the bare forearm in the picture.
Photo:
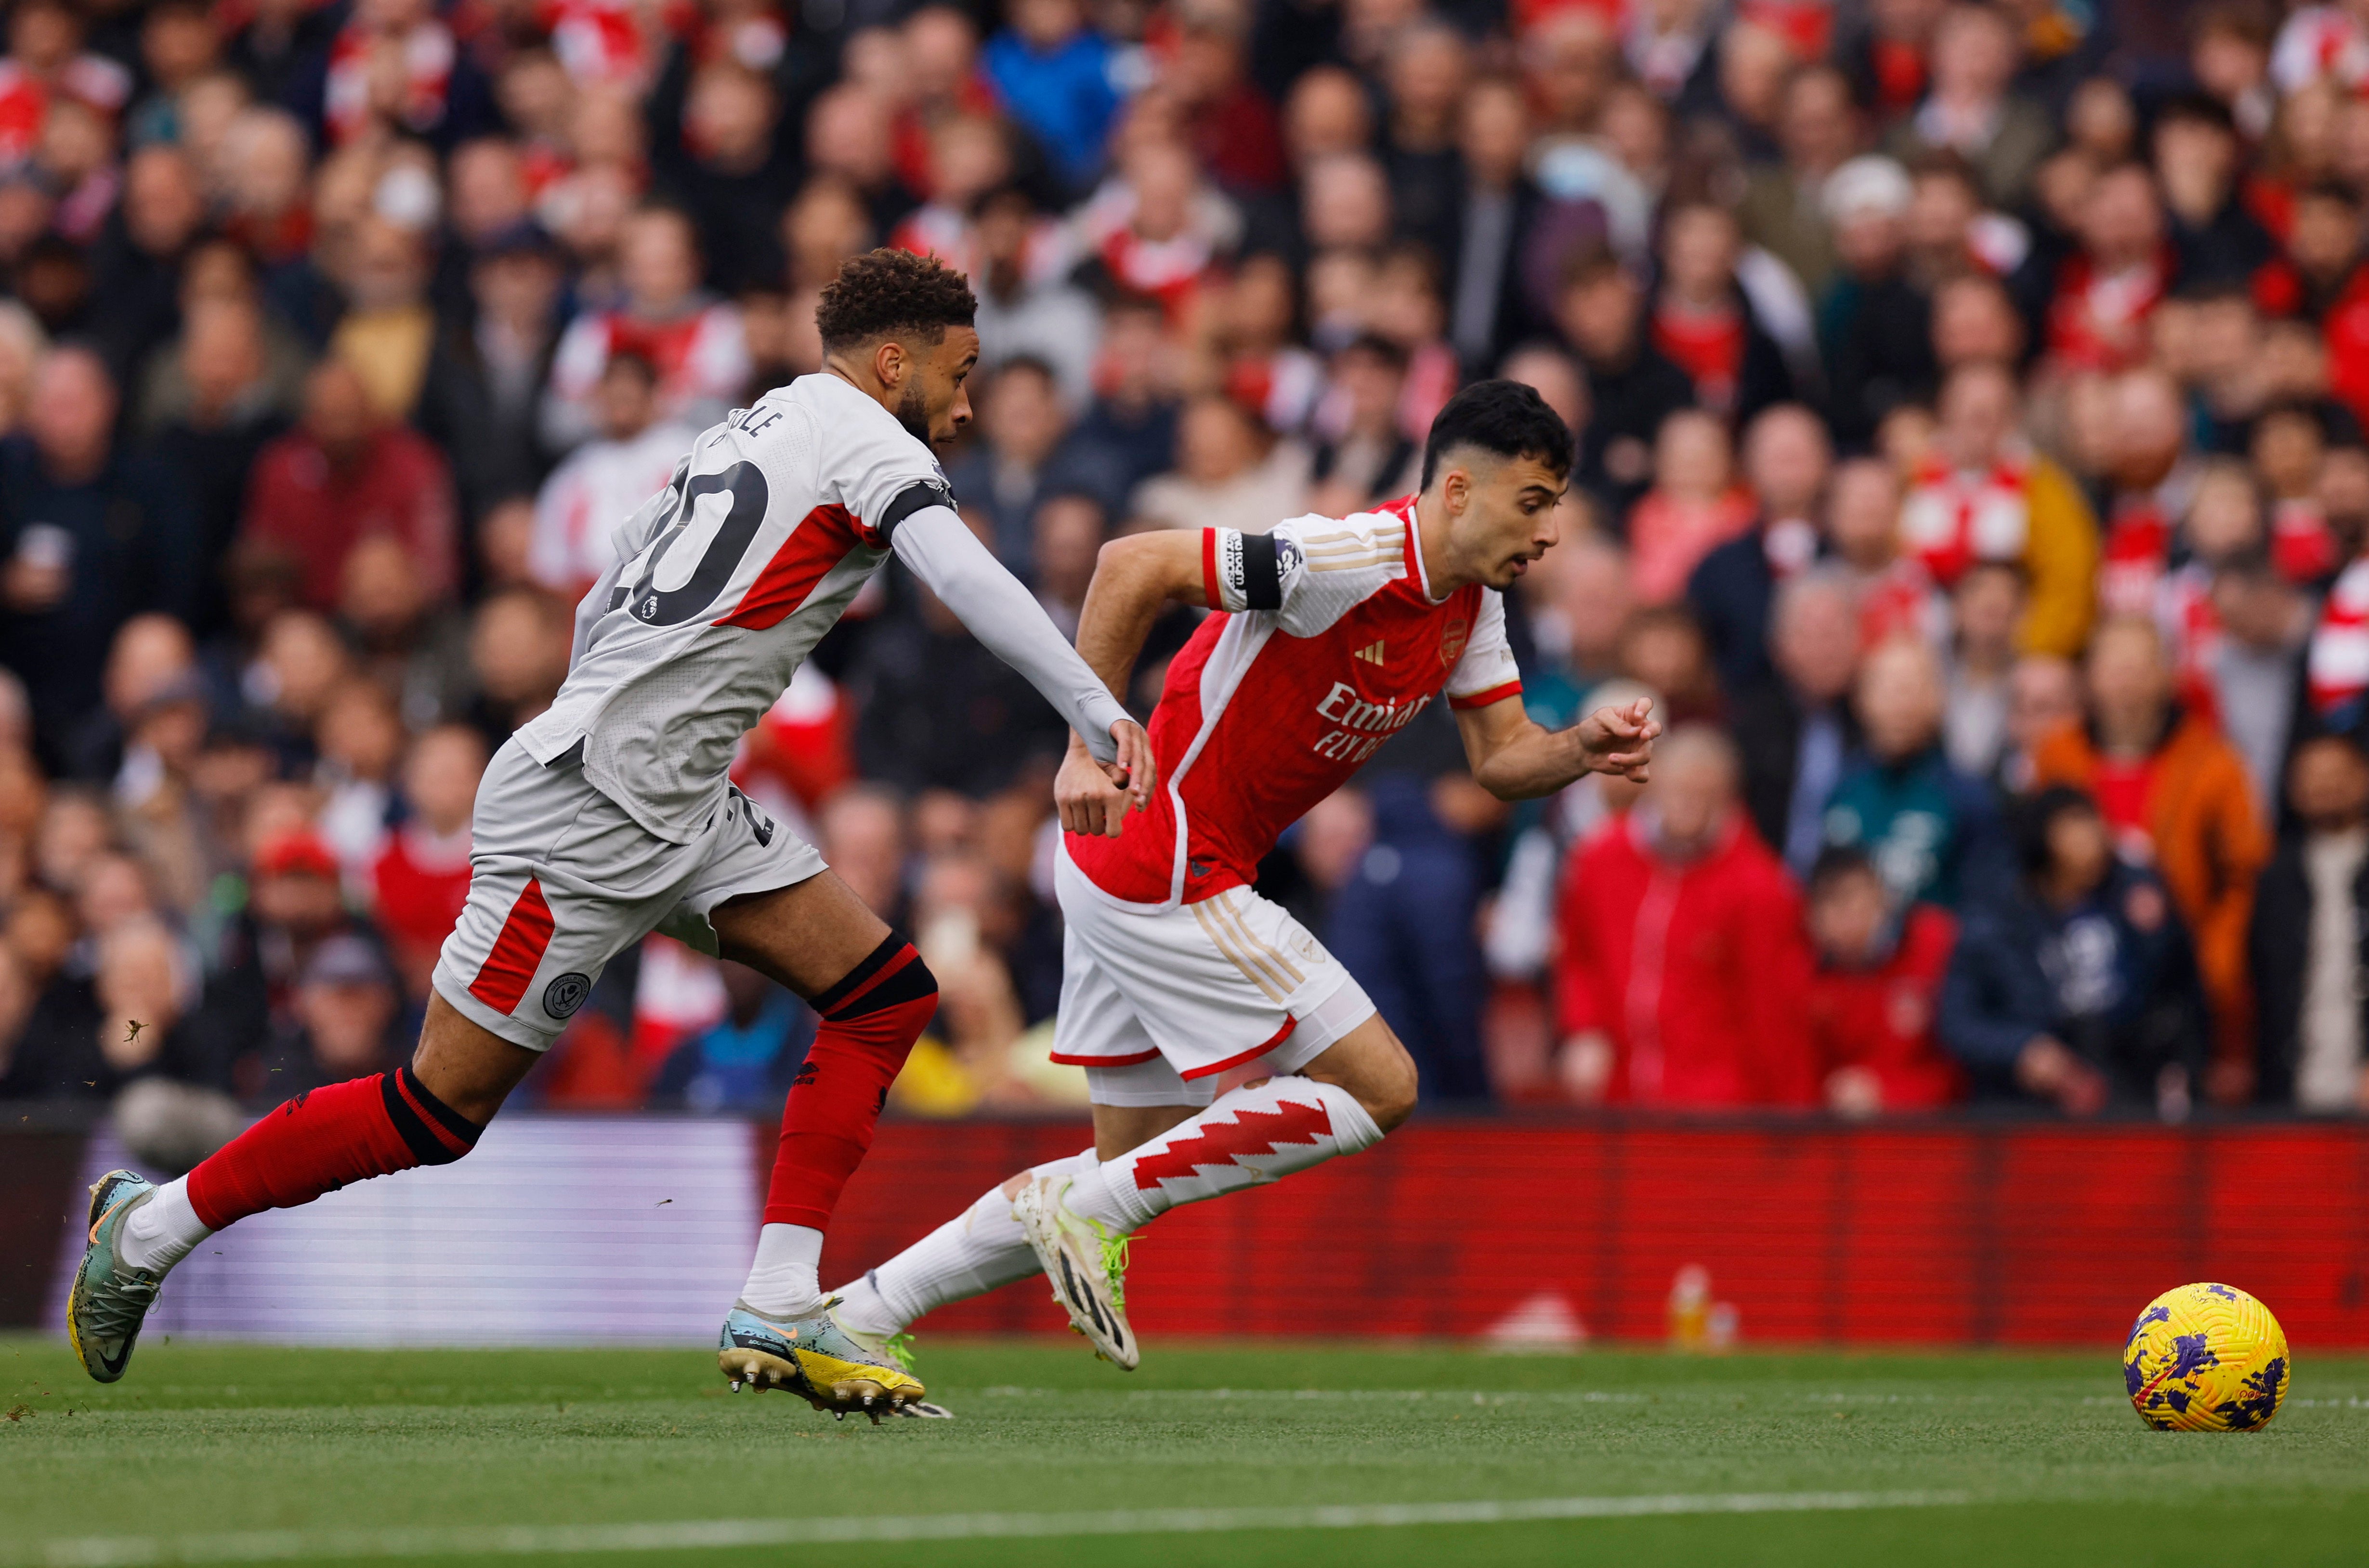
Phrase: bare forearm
(1534, 763)
(1121, 605)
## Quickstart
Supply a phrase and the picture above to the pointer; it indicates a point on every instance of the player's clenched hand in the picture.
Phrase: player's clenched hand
(1094, 798)
(1620, 741)
(1088, 799)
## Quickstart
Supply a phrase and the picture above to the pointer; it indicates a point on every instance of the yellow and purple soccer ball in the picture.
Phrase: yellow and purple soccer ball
(2206, 1359)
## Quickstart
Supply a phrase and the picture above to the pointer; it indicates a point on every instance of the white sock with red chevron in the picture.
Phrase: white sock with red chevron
(1248, 1136)
(969, 1256)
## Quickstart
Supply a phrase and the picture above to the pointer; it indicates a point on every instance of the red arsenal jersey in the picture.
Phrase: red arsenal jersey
(1327, 644)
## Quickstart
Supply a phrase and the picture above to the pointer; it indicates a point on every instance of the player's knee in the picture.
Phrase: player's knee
(435, 1131)
(1375, 1070)
(1388, 1091)
(889, 990)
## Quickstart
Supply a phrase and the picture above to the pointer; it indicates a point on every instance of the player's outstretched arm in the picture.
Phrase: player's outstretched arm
(1135, 580)
(1513, 758)
(945, 554)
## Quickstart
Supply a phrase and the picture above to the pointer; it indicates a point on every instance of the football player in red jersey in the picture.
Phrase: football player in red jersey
(1328, 637)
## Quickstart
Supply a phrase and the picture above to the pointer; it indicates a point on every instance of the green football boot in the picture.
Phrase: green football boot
(110, 1298)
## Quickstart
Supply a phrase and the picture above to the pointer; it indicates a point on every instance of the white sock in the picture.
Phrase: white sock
(782, 1282)
(969, 1256)
(161, 1231)
(1248, 1136)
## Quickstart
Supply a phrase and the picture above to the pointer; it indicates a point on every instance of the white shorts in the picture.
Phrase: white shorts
(561, 881)
(1155, 1005)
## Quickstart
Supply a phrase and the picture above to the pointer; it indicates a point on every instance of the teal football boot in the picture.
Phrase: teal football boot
(110, 1298)
(815, 1357)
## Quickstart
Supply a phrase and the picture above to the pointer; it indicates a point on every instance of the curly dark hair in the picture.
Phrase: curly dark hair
(892, 292)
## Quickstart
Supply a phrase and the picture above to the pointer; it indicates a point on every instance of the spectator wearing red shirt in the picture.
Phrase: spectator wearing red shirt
(395, 67)
(1701, 323)
(343, 475)
(1233, 126)
(1683, 975)
(422, 877)
(2323, 279)
(2106, 291)
(1876, 992)
(45, 63)
(696, 342)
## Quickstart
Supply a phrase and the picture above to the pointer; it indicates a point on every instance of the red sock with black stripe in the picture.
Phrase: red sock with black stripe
(870, 1020)
(325, 1139)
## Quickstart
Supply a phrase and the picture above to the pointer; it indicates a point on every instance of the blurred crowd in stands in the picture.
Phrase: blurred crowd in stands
(1970, 396)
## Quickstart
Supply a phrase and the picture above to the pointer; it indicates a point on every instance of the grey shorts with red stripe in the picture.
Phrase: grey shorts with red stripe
(561, 880)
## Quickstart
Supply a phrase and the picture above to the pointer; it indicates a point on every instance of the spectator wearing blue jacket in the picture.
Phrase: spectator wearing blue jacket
(1403, 923)
(743, 1061)
(1931, 830)
(1054, 74)
(2076, 988)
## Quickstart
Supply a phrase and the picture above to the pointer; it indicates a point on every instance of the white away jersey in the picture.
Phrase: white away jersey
(725, 581)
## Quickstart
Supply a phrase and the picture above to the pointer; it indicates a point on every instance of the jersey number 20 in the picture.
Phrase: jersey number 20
(654, 606)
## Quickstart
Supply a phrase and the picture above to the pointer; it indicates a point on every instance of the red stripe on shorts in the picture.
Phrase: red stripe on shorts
(1290, 1023)
(1127, 1061)
(517, 954)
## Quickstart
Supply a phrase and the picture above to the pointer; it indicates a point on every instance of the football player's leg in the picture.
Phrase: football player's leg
(976, 1252)
(429, 1112)
(875, 996)
(985, 1246)
(531, 938)
(1340, 1101)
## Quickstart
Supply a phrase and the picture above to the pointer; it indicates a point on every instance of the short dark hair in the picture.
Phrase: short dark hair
(2197, 109)
(2331, 190)
(1375, 346)
(2032, 824)
(1591, 265)
(2249, 563)
(1836, 862)
(635, 364)
(884, 293)
(1507, 417)
(1030, 364)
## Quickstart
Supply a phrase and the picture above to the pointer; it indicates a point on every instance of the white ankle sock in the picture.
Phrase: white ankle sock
(969, 1256)
(1247, 1137)
(161, 1231)
(782, 1282)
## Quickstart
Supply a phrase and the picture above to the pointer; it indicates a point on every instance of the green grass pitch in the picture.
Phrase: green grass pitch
(1830, 1459)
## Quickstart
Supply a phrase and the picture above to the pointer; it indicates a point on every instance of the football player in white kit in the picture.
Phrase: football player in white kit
(1329, 636)
(610, 816)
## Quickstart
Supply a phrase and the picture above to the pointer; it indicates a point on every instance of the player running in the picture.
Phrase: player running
(610, 816)
(1332, 637)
